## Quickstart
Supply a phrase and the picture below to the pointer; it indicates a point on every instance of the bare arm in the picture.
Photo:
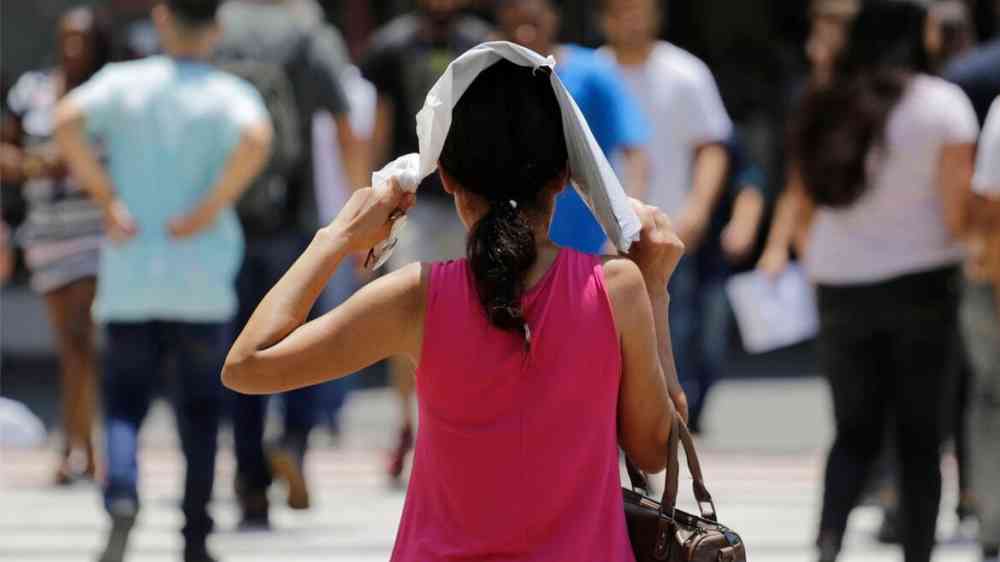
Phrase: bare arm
(740, 234)
(355, 153)
(650, 393)
(711, 164)
(792, 204)
(636, 172)
(954, 179)
(80, 154)
(244, 163)
(382, 134)
(278, 351)
(11, 150)
(645, 411)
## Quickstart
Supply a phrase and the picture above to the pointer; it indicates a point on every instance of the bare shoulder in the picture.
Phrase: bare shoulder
(622, 274)
(407, 285)
(626, 288)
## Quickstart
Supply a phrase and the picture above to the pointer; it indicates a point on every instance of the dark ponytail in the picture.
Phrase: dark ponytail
(839, 124)
(501, 250)
(505, 144)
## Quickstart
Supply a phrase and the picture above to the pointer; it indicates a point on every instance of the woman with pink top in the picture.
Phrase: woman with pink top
(534, 363)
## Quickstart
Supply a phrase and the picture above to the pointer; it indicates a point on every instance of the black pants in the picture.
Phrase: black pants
(266, 260)
(889, 347)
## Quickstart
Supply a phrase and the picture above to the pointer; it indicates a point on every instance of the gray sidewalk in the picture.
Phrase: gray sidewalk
(763, 459)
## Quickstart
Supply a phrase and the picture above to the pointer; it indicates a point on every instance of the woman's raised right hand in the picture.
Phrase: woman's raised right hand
(368, 215)
(659, 248)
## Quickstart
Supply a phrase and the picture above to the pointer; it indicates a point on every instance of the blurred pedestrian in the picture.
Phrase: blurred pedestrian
(830, 21)
(738, 225)
(976, 73)
(690, 129)
(950, 33)
(885, 153)
(404, 60)
(599, 90)
(981, 323)
(533, 362)
(62, 233)
(182, 142)
(333, 188)
(295, 61)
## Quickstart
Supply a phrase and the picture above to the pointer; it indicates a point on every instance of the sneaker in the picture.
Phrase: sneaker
(286, 467)
(991, 553)
(198, 553)
(399, 455)
(122, 520)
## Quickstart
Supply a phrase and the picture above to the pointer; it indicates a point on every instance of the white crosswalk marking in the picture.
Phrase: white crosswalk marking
(770, 498)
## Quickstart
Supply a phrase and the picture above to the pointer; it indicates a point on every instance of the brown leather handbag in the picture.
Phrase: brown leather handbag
(660, 532)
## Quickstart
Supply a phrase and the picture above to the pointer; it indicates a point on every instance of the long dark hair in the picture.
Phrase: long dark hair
(505, 144)
(839, 124)
(99, 36)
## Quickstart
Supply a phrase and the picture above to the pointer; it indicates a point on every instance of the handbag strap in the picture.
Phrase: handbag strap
(679, 434)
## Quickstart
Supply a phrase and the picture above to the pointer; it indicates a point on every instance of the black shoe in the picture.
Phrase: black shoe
(255, 508)
(829, 548)
(253, 522)
(888, 532)
(991, 553)
(965, 511)
(122, 521)
(198, 553)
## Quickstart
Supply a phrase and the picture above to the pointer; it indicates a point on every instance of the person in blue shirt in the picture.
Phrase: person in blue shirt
(613, 115)
(182, 141)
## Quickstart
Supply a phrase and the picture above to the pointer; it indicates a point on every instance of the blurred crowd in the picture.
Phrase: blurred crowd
(167, 194)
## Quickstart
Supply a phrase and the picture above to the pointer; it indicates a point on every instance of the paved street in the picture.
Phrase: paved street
(762, 456)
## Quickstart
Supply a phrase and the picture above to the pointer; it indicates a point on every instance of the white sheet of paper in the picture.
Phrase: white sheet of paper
(773, 313)
(590, 172)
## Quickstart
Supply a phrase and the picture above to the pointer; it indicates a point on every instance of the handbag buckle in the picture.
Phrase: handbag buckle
(662, 547)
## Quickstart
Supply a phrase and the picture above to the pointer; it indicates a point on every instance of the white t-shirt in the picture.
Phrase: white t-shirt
(987, 179)
(681, 100)
(898, 225)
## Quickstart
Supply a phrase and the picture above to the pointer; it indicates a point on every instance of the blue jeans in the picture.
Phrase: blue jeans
(136, 355)
(699, 327)
(266, 260)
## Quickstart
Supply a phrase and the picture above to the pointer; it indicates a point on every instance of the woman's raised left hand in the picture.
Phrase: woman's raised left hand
(368, 216)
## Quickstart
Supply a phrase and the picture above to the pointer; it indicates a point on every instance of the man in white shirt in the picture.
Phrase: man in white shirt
(981, 324)
(689, 164)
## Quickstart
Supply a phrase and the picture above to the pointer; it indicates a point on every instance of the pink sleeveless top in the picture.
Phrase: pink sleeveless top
(516, 455)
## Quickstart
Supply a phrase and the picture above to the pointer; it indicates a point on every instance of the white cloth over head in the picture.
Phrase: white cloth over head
(590, 172)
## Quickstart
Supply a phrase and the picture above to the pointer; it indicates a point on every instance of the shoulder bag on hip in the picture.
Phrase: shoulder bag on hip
(660, 532)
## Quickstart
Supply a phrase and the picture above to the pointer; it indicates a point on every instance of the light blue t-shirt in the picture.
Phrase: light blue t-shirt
(167, 127)
(617, 122)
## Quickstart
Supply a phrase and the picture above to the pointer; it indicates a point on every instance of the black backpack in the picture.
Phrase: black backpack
(265, 206)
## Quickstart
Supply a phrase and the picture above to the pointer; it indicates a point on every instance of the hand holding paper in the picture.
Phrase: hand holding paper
(370, 216)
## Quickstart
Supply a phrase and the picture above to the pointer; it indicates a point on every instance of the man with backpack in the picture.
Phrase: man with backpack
(295, 61)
